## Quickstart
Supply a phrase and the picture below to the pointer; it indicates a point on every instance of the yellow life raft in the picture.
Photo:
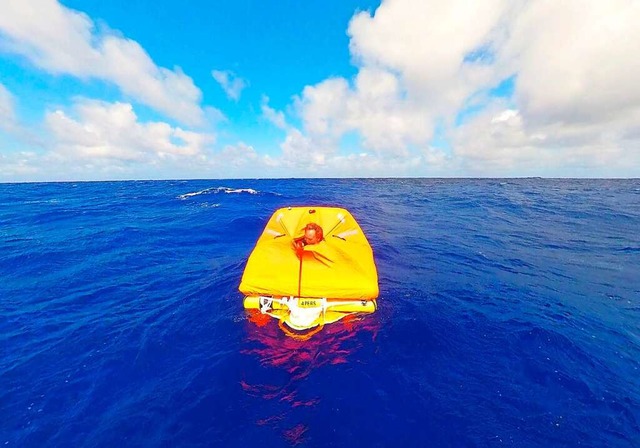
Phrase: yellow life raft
(308, 286)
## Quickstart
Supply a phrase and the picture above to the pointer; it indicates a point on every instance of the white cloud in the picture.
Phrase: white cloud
(376, 107)
(273, 116)
(497, 142)
(10, 123)
(577, 99)
(242, 160)
(18, 166)
(230, 83)
(7, 113)
(576, 60)
(237, 155)
(64, 41)
(300, 151)
(425, 44)
(412, 71)
(98, 140)
(576, 106)
(112, 131)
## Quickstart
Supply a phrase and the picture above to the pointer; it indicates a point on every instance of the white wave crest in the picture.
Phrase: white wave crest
(241, 190)
(216, 190)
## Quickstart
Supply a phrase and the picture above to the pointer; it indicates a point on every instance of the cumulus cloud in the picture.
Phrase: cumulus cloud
(238, 155)
(575, 60)
(427, 44)
(375, 106)
(242, 160)
(423, 63)
(576, 105)
(100, 140)
(18, 166)
(497, 142)
(61, 40)
(421, 103)
(413, 69)
(112, 131)
(230, 83)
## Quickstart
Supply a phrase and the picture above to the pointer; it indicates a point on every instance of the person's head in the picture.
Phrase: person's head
(312, 233)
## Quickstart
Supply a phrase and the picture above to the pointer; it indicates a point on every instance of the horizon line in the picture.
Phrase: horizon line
(312, 178)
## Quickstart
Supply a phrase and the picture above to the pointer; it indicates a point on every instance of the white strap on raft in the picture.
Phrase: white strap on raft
(265, 304)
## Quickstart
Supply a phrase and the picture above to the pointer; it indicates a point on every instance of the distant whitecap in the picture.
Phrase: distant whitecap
(227, 190)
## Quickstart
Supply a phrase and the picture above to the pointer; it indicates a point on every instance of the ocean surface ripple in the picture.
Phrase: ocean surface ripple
(509, 315)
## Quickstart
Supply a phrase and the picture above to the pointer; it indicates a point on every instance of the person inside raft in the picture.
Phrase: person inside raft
(312, 235)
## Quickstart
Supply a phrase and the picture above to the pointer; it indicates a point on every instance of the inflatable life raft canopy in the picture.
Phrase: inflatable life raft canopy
(339, 271)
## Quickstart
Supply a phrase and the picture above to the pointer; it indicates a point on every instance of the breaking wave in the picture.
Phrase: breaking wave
(216, 190)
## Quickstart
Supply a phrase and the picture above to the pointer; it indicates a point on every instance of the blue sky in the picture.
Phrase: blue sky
(93, 90)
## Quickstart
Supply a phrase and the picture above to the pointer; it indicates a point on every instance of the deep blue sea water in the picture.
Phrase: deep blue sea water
(509, 315)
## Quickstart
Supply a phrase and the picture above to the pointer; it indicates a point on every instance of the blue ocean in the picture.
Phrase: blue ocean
(509, 315)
